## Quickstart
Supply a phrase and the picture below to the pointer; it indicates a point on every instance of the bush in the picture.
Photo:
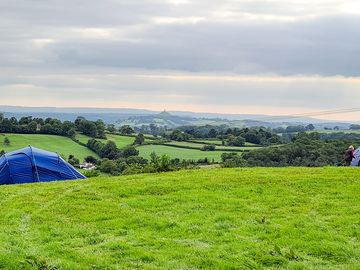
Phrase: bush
(208, 147)
(6, 141)
(109, 166)
(232, 160)
(92, 173)
(91, 159)
(73, 161)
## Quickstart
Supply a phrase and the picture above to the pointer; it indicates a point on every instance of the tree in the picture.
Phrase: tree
(111, 128)
(126, 130)
(6, 141)
(212, 133)
(100, 129)
(91, 159)
(88, 128)
(139, 139)
(179, 136)
(236, 141)
(129, 151)
(73, 161)
(46, 129)
(110, 151)
(354, 127)
(108, 166)
(208, 147)
(310, 127)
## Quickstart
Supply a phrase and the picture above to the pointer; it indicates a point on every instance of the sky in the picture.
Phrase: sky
(231, 56)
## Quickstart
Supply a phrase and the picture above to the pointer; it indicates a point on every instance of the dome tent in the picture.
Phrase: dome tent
(31, 164)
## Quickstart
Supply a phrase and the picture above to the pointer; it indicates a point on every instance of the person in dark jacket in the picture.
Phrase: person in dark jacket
(349, 155)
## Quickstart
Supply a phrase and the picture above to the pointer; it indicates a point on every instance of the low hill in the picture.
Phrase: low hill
(62, 145)
(293, 218)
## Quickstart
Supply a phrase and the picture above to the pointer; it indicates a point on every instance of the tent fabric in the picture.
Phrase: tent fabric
(30, 164)
(356, 160)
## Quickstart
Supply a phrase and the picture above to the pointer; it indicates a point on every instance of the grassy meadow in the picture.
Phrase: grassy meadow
(201, 145)
(285, 218)
(181, 153)
(63, 145)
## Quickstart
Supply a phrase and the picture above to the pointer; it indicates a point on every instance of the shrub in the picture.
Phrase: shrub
(92, 173)
(208, 147)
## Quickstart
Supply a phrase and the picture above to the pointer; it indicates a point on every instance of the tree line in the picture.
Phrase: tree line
(306, 149)
(32, 125)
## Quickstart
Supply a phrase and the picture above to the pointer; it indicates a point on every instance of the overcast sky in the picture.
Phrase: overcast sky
(244, 56)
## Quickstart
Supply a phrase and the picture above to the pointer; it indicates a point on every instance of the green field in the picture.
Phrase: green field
(121, 141)
(173, 152)
(219, 142)
(62, 145)
(199, 146)
(286, 218)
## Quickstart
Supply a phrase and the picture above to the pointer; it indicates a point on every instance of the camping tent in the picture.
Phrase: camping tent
(31, 164)
(356, 159)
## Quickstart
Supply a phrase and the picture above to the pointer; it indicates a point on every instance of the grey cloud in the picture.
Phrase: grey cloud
(325, 46)
(47, 53)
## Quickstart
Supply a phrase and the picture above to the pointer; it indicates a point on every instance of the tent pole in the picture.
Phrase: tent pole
(36, 170)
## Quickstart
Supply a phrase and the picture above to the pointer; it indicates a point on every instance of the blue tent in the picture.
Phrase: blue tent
(31, 164)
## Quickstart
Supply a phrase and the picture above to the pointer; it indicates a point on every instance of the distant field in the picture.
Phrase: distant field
(121, 141)
(199, 146)
(62, 145)
(218, 142)
(337, 131)
(180, 153)
(259, 218)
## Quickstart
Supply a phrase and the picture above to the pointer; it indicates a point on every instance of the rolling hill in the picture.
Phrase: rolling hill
(286, 218)
(62, 145)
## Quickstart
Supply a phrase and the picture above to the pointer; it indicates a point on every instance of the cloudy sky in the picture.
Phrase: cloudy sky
(229, 56)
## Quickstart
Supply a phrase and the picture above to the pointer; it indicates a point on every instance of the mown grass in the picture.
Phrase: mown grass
(181, 153)
(62, 145)
(287, 218)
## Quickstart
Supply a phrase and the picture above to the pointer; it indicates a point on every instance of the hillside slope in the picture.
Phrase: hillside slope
(288, 218)
(62, 145)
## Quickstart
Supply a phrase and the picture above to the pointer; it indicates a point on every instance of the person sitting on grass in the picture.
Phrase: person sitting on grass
(349, 155)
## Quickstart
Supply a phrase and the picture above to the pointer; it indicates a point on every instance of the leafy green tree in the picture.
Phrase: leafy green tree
(236, 141)
(100, 129)
(208, 147)
(139, 139)
(110, 151)
(310, 127)
(108, 166)
(88, 128)
(126, 130)
(74, 161)
(91, 159)
(111, 128)
(129, 151)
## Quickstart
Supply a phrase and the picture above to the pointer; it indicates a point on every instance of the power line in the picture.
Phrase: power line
(309, 114)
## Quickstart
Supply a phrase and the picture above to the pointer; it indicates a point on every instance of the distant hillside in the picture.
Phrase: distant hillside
(138, 117)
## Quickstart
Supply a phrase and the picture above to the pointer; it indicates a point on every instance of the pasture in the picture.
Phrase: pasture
(262, 218)
(194, 145)
(62, 145)
(181, 153)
